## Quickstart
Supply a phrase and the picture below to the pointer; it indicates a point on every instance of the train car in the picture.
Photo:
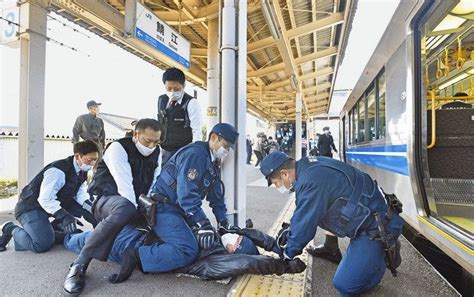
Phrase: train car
(409, 121)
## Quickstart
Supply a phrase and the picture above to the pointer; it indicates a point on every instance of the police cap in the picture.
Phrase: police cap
(271, 163)
(228, 132)
(92, 103)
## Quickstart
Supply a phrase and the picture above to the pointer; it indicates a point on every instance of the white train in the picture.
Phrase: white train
(402, 125)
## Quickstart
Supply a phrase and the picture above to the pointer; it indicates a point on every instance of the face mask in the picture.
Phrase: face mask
(221, 153)
(174, 95)
(326, 132)
(283, 190)
(85, 167)
(230, 238)
(144, 150)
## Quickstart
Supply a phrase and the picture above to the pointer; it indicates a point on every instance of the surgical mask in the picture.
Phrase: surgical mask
(326, 132)
(230, 238)
(85, 167)
(283, 190)
(221, 153)
(174, 95)
(144, 150)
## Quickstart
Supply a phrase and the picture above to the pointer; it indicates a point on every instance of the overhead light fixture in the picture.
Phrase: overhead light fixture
(270, 17)
(438, 42)
(294, 82)
(454, 80)
(449, 22)
(464, 7)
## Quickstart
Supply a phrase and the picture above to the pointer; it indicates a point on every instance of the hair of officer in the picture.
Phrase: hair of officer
(288, 164)
(85, 147)
(148, 124)
(460, 94)
(174, 74)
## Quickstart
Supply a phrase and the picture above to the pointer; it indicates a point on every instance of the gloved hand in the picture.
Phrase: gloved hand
(224, 227)
(205, 234)
(67, 220)
(147, 207)
(87, 206)
(281, 240)
(294, 266)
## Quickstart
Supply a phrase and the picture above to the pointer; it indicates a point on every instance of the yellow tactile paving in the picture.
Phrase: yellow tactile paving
(289, 285)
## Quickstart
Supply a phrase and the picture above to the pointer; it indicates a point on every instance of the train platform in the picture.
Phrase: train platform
(28, 274)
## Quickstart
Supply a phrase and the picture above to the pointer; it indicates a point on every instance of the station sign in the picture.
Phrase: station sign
(10, 14)
(147, 27)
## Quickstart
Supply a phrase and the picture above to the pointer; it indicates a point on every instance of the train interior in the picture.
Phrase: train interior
(447, 61)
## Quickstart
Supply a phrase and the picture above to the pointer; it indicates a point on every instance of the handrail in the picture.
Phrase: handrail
(460, 98)
(433, 121)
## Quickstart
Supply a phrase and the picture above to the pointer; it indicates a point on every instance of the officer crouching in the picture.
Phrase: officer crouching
(346, 202)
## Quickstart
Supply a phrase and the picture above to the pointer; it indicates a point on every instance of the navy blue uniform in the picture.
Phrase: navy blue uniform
(187, 178)
(323, 187)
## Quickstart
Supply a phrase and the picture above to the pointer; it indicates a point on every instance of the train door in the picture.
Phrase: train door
(445, 136)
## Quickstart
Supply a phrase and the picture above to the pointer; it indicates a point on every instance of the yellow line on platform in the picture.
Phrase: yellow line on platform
(290, 285)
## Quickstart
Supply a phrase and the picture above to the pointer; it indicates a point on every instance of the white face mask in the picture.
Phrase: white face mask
(326, 132)
(221, 153)
(85, 167)
(144, 150)
(174, 95)
(283, 190)
(230, 238)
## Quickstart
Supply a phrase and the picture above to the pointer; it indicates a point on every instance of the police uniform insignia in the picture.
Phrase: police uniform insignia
(192, 174)
(312, 159)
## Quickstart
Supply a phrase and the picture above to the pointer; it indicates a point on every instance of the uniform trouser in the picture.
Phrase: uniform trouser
(37, 234)
(249, 155)
(363, 265)
(166, 155)
(128, 237)
(259, 157)
(112, 213)
(179, 247)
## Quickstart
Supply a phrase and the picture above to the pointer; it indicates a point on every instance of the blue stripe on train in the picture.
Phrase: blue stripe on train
(397, 164)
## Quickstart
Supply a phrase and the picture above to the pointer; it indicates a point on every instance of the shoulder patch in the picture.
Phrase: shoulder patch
(312, 159)
(192, 174)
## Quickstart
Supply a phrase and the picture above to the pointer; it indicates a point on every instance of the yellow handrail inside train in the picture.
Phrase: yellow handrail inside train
(433, 121)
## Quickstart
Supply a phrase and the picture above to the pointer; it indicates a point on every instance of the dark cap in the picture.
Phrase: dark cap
(228, 132)
(326, 128)
(92, 103)
(271, 163)
(247, 247)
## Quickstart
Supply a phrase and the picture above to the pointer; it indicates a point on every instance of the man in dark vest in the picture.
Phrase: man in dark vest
(127, 170)
(326, 143)
(59, 190)
(180, 114)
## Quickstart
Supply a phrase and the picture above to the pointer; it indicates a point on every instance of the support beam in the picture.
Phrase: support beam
(266, 70)
(317, 88)
(32, 80)
(318, 73)
(298, 125)
(317, 55)
(213, 72)
(200, 52)
(334, 19)
(260, 44)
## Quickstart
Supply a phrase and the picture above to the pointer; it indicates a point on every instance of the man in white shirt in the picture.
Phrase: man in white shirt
(59, 190)
(180, 113)
(127, 170)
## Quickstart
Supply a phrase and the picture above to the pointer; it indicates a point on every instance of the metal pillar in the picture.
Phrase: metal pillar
(213, 88)
(298, 125)
(233, 101)
(32, 78)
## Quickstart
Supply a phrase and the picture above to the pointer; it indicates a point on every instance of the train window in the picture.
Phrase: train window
(381, 106)
(371, 111)
(361, 122)
(447, 126)
(354, 125)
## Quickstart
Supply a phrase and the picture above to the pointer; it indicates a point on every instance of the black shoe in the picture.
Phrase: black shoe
(7, 230)
(321, 251)
(75, 279)
(130, 261)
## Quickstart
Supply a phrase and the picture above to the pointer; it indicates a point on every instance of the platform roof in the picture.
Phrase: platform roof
(301, 45)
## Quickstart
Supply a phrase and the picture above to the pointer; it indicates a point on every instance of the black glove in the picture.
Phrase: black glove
(147, 207)
(87, 206)
(67, 220)
(205, 234)
(224, 227)
(295, 266)
(282, 239)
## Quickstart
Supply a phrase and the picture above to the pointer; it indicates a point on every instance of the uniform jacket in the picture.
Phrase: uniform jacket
(89, 127)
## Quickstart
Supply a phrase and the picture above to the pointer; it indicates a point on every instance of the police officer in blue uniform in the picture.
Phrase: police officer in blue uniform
(189, 176)
(346, 202)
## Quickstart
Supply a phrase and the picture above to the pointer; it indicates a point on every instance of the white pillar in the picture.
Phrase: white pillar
(213, 88)
(32, 79)
(233, 101)
(298, 125)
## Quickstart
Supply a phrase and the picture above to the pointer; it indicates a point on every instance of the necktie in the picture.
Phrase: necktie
(82, 175)
(173, 103)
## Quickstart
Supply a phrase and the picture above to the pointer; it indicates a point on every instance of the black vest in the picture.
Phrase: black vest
(143, 169)
(178, 132)
(28, 199)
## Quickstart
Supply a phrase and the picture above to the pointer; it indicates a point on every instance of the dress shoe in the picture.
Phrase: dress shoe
(75, 279)
(7, 230)
(321, 251)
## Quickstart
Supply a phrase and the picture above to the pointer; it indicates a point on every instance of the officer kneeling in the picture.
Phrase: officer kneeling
(346, 202)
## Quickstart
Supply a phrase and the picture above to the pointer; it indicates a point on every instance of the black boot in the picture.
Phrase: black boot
(130, 261)
(7, 231)
(329, 250)
(75, 279)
